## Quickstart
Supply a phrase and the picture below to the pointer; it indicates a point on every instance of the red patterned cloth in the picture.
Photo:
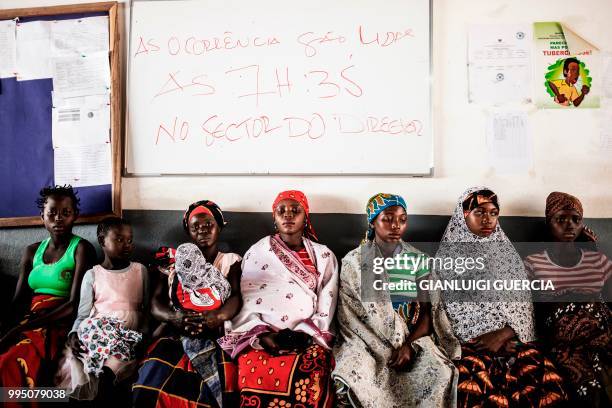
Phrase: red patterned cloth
(305, 259)
(289, 380)
(32, 360)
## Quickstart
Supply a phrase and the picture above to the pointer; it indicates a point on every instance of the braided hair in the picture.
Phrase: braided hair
(58, 191)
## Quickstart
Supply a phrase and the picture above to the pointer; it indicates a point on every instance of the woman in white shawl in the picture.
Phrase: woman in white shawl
(282, 336)
(386, 353)
(499, 366)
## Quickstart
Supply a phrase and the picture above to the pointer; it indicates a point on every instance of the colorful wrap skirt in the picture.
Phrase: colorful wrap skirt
(579, 337)
(167, 378)
(31, 361)
(525, 378)
(290, 380)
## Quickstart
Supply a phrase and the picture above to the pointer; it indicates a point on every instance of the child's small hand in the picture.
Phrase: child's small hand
(75, 344)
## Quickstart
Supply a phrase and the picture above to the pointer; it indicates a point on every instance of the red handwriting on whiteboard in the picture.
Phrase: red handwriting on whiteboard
(353, 124)
(310, 41)
(214, 129)
(173, 84)
(143, 48)
(383, 39)
(183, 131)
(313, 127)
(257, 92)
(331, 88)
(201, 46)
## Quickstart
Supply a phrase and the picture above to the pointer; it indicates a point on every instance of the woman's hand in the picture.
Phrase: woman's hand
(268, 342)
(402, 357)
(76, 346)
(510, 346)
(289, 340)
(187, 323)
(215, 319)
(285, 340)
(493, 341)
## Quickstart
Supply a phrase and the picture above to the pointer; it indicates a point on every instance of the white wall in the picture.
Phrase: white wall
(566, 154)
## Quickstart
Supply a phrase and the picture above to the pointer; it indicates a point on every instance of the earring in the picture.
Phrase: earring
(275, 227)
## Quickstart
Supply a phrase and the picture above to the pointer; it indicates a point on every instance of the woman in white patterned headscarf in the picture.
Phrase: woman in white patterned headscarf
(498, 364)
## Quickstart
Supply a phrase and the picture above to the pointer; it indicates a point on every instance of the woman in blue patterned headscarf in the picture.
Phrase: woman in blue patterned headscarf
(377, 204)
(383, 334)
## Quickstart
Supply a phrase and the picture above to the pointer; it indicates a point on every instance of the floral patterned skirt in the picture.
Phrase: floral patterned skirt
(289, 380)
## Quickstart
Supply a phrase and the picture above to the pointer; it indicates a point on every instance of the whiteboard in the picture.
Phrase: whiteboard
(278, 87)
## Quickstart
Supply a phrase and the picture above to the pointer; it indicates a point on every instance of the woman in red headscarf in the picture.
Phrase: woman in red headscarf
(282, 335)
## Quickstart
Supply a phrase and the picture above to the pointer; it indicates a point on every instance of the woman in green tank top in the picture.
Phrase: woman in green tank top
(49, 282)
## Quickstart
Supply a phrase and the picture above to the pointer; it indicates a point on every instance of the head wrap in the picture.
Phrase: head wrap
(204, 207)
(377, 204)
(298, 196)
(477, 198)
(557, 201)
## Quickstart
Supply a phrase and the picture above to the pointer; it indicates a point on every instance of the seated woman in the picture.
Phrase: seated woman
(386, 355)
(193, 298)
(49, 282)
(574, 320)
(282, 334)
(498, 365)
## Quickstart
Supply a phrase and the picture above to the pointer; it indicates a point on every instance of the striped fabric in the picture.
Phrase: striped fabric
(408, 274)
(305, 259)
(588, 276)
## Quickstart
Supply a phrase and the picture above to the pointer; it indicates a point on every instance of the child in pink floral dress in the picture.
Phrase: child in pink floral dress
(110, 321)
